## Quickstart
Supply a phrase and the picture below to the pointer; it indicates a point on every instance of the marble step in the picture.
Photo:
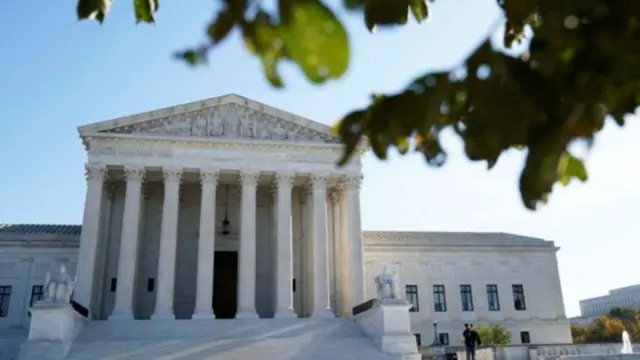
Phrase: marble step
(336, 339)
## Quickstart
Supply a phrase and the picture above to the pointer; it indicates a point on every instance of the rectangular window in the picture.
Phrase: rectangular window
(444, 338)
(524, 337)
(113, 285)
(5, 297)
(151, 284)
(466, 297)
(518, 298)
(439, 298)
(411, 295)
(37, 293)
(418, 339)
(492, 297)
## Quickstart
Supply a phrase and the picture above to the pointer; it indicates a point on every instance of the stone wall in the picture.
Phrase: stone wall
(536, 269)
(22, 268)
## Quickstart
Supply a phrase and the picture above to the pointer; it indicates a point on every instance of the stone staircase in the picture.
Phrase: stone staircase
(264, 339)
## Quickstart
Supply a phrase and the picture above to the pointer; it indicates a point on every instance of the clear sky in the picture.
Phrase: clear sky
(57, 74)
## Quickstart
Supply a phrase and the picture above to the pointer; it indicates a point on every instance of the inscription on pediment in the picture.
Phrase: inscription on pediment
(230, 121)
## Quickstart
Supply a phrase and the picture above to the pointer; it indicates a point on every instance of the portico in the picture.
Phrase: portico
(170, 191)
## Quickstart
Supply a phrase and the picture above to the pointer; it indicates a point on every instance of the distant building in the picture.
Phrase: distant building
(593, 308)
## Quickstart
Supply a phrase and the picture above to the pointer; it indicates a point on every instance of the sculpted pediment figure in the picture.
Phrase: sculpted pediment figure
(227, 117)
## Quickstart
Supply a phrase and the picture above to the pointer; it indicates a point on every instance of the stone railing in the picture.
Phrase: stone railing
(550, 352)
(388, 325)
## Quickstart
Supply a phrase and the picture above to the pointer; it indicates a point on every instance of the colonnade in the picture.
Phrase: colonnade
(283, 182)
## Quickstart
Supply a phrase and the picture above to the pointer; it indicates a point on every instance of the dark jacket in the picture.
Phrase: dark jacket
(471, 338)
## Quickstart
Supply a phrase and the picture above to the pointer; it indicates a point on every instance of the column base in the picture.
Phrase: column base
(121, 315)
(246, 314)
(323, 314)
(285, 314)
(163, 316)
(203, 314)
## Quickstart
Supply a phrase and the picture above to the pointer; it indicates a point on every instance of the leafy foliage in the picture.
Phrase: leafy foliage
(581, 66)
(494, 334)
(609, 327)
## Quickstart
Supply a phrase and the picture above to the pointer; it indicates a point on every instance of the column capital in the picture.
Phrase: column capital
(335, 195)
(94, 171)
(249, 178)
(172, 175)
(353, 182)
(134, 173)
(319, 180)
(284, 179)
(209, 176)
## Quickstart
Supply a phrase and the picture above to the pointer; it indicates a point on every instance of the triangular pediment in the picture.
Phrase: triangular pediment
(225, 117)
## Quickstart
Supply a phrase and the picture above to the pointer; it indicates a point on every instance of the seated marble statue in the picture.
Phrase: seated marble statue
(59, 287)
(387, 285)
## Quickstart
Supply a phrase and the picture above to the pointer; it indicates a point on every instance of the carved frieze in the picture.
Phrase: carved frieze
(131, 148)
(295, 153)
(230, 121)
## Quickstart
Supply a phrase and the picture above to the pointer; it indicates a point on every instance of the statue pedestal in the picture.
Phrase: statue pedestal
(388, 324)
(54, 328)
(54, 321)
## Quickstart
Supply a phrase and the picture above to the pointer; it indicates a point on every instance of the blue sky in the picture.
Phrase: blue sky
(57, 74)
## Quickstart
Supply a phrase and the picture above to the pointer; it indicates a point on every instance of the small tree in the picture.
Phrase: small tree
(609, 327)
(494, 334)
(579, 333)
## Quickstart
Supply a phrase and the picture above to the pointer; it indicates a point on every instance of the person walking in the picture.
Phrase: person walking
(471, 340)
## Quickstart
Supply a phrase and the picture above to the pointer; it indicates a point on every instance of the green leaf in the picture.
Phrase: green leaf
(349, 130)
(571, 167)
(386, 13)
(221, 26)
(353, 4)
(314, 39)
(419, 9)
(144, 10)
(264, 39)
(193, 57)
(93, 9)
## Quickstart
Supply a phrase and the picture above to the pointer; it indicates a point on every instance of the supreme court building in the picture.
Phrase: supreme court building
(229, 208)
(202, 198)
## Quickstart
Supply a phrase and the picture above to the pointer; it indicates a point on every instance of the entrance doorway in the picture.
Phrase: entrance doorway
(225, 284)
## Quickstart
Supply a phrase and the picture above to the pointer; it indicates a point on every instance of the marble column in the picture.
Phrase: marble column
(247, 251)
(339, 258)
(168, 242)
(83, 291)
(206, 245)
(356, 251)
(321, 300)
(284, 247)
(306, 285)
(123, 308)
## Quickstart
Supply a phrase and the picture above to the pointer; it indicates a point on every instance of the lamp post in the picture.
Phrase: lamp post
(436, 341)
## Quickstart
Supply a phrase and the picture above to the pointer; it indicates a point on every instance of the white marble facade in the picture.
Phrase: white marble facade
(153, 244)
(159, 185)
